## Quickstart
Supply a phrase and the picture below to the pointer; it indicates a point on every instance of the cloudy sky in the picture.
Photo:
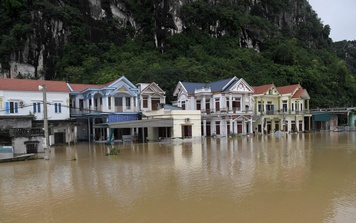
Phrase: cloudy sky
(340, 15)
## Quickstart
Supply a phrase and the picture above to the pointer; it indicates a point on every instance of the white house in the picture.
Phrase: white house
(226, 105)
(22, 97)
(114, 110)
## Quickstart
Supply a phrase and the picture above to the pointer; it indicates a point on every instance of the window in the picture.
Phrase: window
(57, 107)
(198, 105)
(128, 102)
(145, 102)
(12, 107)
(236, 104)
(81, 104)
(284, 104)
(36, 107)
(270, 108)
(259, 106)
(109, 102)
(217, 104)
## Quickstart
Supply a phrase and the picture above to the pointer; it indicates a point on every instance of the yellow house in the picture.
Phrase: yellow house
(284, 108)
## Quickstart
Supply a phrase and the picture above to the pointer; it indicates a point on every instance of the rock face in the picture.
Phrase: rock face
(52, 25)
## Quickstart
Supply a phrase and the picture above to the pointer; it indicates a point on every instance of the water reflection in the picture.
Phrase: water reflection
(301, 177)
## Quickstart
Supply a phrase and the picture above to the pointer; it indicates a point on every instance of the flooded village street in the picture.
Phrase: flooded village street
(293, 178)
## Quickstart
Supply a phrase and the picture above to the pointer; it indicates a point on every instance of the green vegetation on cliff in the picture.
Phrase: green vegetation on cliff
(258, 46)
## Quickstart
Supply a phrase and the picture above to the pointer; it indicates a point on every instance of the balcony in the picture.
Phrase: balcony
(202, 90)
(26, 132)
(283, 112)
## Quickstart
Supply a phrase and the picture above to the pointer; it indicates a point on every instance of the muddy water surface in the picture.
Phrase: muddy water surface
(297, 178)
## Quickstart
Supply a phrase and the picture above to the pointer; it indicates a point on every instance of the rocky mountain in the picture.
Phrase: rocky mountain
(166, 41)
(34, 32)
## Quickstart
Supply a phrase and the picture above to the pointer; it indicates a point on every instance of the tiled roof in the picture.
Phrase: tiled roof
(190, 86)
(32, 85)
(81, 87)
(218, 85)
(214, 86)
(262, 89)
(288, 89)
(299, 93)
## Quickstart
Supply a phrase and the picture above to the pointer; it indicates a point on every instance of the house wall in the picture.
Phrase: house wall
(15, 123)
(352, 119)
(25, 100)
(181, 117)
(20, 146)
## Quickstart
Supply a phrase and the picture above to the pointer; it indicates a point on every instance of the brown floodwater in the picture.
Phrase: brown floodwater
(297, 178)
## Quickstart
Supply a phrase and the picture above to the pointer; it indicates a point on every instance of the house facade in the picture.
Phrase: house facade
(97, 107)
(284, 108)
(226, 106)
(21, 98)
(117, 101)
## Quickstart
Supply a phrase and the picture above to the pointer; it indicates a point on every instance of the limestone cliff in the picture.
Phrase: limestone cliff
(54, 23)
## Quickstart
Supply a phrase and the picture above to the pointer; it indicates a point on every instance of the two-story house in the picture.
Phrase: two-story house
(117, 101)
(226, 105)
(21, 98)
(284, 108)
(122, 111)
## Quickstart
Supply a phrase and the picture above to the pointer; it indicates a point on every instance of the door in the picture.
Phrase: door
(186, 131)
(59, 138)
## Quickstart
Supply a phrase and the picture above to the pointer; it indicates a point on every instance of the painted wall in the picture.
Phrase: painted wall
(25, 100)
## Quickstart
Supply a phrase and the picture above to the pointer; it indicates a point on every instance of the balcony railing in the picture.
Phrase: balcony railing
(281, 112)
(25, 132)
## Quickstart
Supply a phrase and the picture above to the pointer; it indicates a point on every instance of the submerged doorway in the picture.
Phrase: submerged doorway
(186, 131)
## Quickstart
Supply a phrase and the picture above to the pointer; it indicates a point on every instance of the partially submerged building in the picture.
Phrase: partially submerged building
(22, 112)
(284, 108)
(226, 106)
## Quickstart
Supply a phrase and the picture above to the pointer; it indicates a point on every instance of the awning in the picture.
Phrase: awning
(145, 123)
(321, 117)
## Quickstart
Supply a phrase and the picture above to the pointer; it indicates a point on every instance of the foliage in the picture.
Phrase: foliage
(218, 41)
(113, 151)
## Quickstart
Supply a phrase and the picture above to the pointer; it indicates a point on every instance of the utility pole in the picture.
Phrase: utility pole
(45, 121)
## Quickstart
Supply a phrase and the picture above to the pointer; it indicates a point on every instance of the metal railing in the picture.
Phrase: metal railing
(24, 132)
(283, 112)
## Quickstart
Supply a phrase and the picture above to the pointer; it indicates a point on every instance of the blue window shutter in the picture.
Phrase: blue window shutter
(59, 107)
(55, 108)
(16, 107)
(39, 107)
(34, 107)
(7, 107)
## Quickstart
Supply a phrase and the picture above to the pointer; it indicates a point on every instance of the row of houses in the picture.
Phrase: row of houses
(123, 111)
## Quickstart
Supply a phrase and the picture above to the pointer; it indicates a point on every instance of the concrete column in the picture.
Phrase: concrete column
(92, 102)
(230, 102)
(105, 106)
(204, 127)
(150, 102)
(124, 103)
(202, 103)
(250, 126)
(132, 102)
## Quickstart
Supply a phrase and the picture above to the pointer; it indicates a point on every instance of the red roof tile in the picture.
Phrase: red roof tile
(32, 85)
(262, 89)
(298, 93)
(288, 89)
